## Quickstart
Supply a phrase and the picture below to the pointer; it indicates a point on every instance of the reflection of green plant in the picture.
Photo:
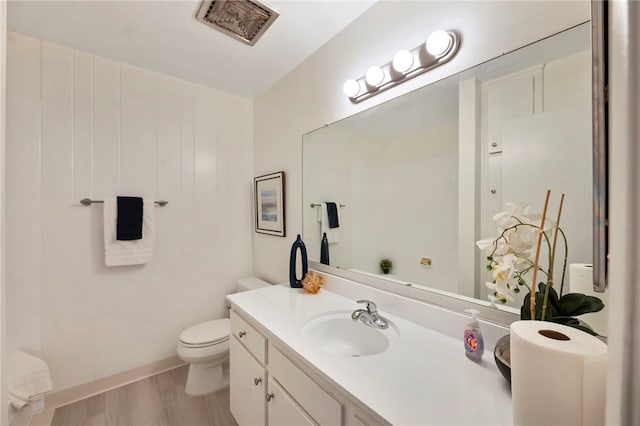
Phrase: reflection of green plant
(510, 261)
(386, 265)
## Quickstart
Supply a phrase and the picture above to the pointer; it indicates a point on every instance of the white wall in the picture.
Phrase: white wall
(311, 95)
(3, 347)
(83, 126)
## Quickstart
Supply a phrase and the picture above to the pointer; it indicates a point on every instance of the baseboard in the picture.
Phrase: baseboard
(76, 393)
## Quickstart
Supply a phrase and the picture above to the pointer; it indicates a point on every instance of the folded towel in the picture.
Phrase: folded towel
(129, 222)
(132, 252)
(28, 378)
(332, 214)
(333, 234)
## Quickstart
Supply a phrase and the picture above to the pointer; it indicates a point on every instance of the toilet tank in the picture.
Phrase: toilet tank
(250, 283)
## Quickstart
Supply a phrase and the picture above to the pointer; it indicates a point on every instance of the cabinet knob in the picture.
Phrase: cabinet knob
(257, 381)
(242, 334)
(270, 396)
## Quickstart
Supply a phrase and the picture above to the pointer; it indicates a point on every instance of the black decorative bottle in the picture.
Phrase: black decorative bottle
(324, 249)
(293, 279)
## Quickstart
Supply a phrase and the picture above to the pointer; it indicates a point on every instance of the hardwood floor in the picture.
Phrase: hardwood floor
(156, 401)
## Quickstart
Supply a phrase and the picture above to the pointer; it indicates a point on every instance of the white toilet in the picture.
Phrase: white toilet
(205, 347)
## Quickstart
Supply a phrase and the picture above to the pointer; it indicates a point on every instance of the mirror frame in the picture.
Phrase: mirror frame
(489, 311)
(599, 120)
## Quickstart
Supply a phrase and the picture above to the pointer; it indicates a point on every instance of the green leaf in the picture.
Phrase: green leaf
(575, 323)
(525, 310)
(590, 304)
(569, 303)
(570, 321)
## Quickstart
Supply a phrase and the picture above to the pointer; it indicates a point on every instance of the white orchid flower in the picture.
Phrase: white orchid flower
(503, 275)
(494, 246)
(507, 218)
(487, 243)
(522, 239)
(497, 296)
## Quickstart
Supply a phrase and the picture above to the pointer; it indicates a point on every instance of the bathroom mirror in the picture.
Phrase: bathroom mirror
(418, 179)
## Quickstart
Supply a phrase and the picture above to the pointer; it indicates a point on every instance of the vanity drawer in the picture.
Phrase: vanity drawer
(249, 336)
(320, 405)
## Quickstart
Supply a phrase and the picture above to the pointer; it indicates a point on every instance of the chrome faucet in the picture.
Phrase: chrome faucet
(370, 315)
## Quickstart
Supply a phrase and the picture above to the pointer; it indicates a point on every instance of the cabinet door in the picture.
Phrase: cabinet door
(282, 410)
(247, 386)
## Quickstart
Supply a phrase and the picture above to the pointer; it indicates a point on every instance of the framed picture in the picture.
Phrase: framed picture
(269, 196)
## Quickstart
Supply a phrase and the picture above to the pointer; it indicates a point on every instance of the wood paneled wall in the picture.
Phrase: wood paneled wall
(83, 126)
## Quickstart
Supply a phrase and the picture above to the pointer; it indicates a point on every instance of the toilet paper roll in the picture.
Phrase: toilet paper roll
(581, 281)
(558, 375)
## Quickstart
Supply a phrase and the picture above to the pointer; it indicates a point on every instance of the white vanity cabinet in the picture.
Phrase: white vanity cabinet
(268, 387)
(283, 410)
(247, 382)
(247, 373)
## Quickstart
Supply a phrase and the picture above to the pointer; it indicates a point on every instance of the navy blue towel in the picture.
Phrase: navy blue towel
(332, 214)
(129, 224)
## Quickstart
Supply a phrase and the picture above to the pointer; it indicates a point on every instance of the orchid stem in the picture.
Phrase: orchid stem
(552, 257)
(532, 298)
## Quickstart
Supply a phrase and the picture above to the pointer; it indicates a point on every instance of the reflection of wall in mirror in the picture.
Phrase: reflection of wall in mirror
(326, 160)
(544, 143)
(403, 192)
(405, 199)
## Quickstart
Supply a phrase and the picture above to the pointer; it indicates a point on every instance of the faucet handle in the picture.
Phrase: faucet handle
(371, 307)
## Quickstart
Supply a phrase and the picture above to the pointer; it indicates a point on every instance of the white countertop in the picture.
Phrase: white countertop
(424, 378)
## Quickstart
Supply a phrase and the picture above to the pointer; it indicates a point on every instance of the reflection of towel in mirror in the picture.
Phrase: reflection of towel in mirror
(333, 234)
(332, 214)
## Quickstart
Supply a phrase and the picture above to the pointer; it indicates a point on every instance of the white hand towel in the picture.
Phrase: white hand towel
(333, 234)
(28, 378)
(132, 252)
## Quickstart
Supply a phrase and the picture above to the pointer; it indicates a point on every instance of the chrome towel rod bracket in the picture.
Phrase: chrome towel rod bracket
(89, 201)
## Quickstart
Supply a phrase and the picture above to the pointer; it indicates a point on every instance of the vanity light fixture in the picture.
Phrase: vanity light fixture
(374, 76)
(440, 47)
(438, 43)
(351, 88)
(402, 61)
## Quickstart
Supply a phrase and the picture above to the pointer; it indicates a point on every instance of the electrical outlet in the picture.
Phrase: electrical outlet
(425, 261)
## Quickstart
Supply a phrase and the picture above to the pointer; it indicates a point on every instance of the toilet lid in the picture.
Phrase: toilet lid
(206, 332)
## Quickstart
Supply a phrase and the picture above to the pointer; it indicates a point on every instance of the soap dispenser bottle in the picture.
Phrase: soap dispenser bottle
(473, 341)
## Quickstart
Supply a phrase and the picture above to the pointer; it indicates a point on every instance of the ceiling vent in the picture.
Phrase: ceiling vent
(244, 20)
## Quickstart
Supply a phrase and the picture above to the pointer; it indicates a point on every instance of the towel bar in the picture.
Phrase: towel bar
(88, 202)
(319, 205)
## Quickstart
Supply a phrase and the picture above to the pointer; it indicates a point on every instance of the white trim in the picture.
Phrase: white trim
(623, 386)
(86, 390)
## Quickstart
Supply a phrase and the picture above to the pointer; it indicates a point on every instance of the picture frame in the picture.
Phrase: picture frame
(269, 204)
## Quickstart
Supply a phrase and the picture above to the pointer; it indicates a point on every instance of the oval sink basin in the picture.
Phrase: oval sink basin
(338, 334)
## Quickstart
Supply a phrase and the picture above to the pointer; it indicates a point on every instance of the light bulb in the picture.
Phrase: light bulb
(402, 61)
(351, 88)
(438, 43)
(374, 76)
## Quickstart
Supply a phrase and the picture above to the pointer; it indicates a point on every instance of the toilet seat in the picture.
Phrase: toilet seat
(205, 334)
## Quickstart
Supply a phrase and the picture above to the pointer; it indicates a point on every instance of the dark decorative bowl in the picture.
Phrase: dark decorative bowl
(502, 355)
